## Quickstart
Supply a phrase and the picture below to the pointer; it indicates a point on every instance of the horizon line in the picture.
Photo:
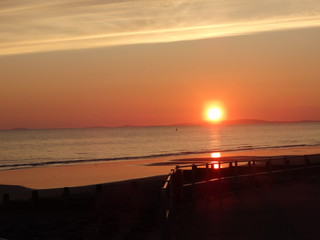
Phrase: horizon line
(225, 122)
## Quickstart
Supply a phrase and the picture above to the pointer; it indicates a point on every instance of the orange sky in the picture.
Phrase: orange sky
(270, 75)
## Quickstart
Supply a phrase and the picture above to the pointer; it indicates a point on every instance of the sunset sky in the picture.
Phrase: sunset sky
(78, 63)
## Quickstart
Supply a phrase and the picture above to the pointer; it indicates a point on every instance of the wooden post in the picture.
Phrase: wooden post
(134, 186)
(164, 203)
(285, 164)
(66, 192)
(177, 185)
(235, 168)
(98, 189)
(5, 199)
(35, 200)
(164, 214)
(285, 168)
(219, 184)
(306, 164)
(65, 197)
(268, 165)
(194, 180)
(270, 171)
(207, 172)
(230, 169)
(254, 166)
(253, 171)
(306, 160)
(35, 196)
(194, 173)
(236, 176)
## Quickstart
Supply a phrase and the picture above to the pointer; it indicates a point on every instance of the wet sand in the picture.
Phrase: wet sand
(88, 174)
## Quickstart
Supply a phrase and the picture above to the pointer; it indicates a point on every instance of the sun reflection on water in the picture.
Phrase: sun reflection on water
(216, 164)
(216, 155)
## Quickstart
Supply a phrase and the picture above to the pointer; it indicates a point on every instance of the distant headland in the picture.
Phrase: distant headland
(222, 123)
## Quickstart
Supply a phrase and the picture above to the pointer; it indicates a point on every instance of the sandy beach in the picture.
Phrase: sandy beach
(114, 171)
(113, 200)
(121, 210)
(114, 112)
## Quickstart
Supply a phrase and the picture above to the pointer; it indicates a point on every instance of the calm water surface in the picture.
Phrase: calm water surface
(31, 148)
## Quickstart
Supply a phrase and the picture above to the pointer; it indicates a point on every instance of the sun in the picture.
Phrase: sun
(214, 114)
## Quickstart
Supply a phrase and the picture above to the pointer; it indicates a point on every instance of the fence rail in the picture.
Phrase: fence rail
(187, 176)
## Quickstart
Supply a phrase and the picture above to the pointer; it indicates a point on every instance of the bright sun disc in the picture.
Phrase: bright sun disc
(214, 114)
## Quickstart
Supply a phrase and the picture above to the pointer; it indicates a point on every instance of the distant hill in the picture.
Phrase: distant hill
(243, 121)
(246, 121)
(18, 129)
(227, 122)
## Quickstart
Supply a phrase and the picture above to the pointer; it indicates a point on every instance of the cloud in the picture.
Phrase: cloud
(40, 26)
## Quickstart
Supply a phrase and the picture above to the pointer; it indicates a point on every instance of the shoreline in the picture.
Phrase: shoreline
(102, 203)
(116, 171)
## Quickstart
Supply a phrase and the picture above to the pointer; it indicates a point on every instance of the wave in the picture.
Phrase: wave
(184, 153)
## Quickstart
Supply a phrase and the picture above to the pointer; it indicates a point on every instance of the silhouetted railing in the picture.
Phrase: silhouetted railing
(183, 179)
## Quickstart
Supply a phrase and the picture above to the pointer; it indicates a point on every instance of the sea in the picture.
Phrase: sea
(25, 148)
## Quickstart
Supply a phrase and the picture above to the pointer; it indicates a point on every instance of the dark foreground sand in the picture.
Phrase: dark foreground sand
(123, 210)
(285, 211)
(131, 210)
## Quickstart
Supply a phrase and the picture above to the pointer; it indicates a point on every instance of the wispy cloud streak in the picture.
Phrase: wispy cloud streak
(40, 26)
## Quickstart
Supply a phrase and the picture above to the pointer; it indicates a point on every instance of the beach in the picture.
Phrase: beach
(115, 171)
(89, 197)
(160, 120)
(282, 211)
(121, 210)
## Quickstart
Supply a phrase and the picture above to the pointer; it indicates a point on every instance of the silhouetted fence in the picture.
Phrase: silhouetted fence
(188, 182)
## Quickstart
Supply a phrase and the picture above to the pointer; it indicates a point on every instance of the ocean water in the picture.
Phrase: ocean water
(32, 148)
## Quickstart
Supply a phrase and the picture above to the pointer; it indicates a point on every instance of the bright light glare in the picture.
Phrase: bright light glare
(214, 114)
(216, 164)
(216, 155)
